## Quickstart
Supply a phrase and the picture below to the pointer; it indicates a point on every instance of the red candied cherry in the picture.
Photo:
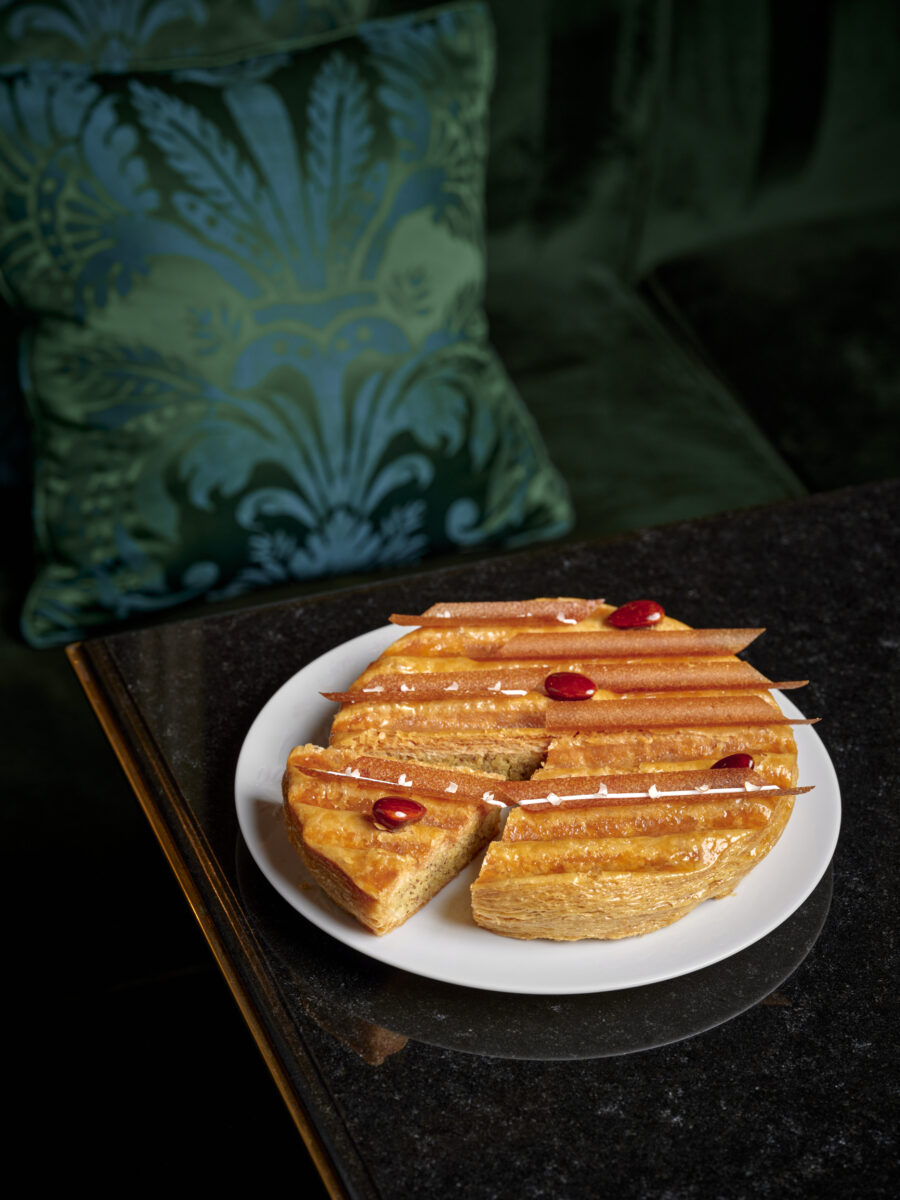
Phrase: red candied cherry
(744, 761)
(393, 812)
(569, 685)
(637, 614)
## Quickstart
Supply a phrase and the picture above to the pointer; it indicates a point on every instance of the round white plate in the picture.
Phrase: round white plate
(442, 942)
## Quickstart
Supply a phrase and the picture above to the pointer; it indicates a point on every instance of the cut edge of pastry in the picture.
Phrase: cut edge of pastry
(391, 875)
(610, 905)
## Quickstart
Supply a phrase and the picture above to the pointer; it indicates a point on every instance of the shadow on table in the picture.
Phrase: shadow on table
(374, 1008)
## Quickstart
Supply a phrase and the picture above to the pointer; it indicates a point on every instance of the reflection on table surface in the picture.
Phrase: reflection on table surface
(375, 1008)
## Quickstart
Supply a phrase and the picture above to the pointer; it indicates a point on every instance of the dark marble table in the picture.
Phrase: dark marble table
(770, 1074)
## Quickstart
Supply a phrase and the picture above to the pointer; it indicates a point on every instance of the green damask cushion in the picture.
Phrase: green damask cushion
(257, 350)
(119, 35)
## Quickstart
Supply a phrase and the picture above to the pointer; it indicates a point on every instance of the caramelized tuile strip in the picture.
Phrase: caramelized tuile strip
(666, 711)
(627, 677)
(574, 791)
(652, 643)
(501, 612)
(436, 782)
(633, 788)
(443, 781)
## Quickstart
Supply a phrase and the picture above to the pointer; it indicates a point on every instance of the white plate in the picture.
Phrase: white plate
(442, 942)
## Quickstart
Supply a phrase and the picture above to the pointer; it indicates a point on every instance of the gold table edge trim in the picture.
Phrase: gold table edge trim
(108, 721)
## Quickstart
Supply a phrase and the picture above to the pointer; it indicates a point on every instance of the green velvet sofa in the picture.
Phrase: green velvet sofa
(692, 247)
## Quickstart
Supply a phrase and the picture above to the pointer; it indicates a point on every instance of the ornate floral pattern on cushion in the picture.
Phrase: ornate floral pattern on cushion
(119, 35)
(258, 351)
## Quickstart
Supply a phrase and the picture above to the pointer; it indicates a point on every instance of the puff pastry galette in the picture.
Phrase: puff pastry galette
(642, 768)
